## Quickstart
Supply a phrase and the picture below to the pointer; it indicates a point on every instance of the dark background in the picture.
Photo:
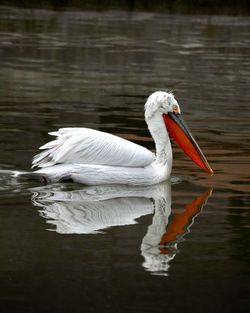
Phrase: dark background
(229, 7)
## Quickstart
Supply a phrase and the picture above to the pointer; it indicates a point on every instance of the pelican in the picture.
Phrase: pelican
(93, 157)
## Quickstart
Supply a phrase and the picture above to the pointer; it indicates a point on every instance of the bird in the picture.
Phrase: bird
(93, 157)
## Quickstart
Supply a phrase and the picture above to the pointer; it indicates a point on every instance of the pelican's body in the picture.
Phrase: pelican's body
(92, 157)
(107, 159)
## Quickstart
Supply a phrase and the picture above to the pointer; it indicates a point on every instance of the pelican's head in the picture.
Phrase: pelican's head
(162, 106)
(160, 102)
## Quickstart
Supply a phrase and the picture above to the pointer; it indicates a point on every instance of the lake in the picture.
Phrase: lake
(176, 246)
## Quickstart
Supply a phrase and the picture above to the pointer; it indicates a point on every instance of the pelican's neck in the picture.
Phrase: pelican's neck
(159, 133)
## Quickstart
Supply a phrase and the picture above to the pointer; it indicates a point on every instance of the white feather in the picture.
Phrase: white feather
(93, 157)
(89, 146)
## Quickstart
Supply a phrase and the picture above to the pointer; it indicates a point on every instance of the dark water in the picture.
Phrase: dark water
(166, 248)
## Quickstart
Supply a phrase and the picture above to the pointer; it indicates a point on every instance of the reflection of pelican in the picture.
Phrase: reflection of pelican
(95, 208)
(92, 157)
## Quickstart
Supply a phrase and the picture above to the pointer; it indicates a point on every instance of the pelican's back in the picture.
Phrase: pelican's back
(89, 146)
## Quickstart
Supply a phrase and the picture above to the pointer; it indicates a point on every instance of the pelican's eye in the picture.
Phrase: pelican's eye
(175, 108)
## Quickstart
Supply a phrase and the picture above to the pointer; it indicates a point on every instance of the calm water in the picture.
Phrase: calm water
(165, 248)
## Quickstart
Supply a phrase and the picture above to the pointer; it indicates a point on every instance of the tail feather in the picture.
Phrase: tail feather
(42, 178)
(53, 174)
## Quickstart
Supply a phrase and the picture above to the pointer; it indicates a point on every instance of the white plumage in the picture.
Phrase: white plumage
(93, 157)
(89, 146)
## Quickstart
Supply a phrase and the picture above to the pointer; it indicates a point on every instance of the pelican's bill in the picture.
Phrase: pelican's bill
(179, 131)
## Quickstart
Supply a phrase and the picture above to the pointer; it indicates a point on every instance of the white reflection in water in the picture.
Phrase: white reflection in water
(94, 208)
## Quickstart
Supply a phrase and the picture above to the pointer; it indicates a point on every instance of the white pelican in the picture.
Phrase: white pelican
(93, 157)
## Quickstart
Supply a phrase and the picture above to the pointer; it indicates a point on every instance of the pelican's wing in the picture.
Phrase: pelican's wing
(88, 146)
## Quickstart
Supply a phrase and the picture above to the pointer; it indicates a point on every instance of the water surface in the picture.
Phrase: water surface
(171, 247)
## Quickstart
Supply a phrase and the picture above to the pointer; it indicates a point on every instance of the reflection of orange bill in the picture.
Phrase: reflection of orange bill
(182, 221)
(178, 129)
